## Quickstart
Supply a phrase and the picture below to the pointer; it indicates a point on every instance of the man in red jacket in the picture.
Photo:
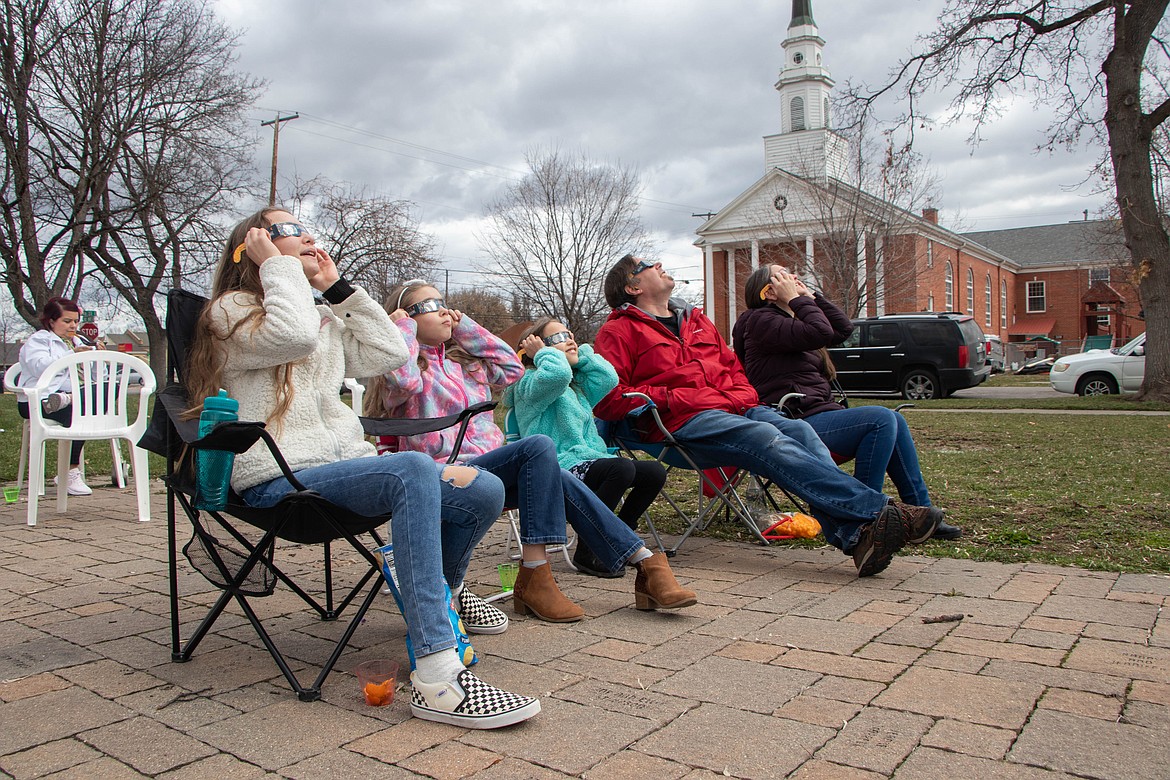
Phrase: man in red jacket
(670, 351)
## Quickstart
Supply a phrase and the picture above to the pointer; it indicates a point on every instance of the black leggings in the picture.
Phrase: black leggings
(63, 416)
(609, 478)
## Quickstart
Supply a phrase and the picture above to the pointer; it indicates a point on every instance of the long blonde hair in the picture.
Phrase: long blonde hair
(203, 374)
(402, 296)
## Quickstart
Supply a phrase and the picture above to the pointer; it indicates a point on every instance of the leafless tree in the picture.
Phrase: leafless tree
(122, 134)
(1099, 65)
(553, 235)
(376, 241)
(485, 307)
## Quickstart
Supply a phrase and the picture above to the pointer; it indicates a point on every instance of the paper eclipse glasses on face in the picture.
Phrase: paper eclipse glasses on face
(424, 307)
(557, 338)
(640, 267)
(278, 230)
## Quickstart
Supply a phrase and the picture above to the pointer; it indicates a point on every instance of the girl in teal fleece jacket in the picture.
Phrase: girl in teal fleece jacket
(555, 397)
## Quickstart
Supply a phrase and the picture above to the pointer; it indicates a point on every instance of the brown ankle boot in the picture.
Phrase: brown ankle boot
(656, 587)
(536, 592)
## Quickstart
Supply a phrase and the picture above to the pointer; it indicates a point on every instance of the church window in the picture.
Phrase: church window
(987, 312)
(797, 111)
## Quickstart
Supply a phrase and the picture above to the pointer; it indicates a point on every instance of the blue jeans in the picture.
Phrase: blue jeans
(435, 526)
(547, 496)
(789, 453)
(879, 441)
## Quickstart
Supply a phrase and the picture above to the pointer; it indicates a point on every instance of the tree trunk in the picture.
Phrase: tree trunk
(1145, 234)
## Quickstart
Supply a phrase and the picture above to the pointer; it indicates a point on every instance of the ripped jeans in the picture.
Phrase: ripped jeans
(435, 525)
(789, 453)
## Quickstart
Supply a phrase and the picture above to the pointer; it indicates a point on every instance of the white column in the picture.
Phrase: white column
(810, 269)
(879, 252)
(862, 290)
(709, 278)
(755, 253)
(731, 313)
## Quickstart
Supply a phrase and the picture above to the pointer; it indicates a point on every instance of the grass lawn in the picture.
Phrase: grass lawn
(1082, 489)
(98, 466)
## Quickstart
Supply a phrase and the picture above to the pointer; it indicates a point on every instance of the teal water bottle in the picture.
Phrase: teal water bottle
(213, 468)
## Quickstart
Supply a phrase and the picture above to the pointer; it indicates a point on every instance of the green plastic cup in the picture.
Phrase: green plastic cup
(508, 574)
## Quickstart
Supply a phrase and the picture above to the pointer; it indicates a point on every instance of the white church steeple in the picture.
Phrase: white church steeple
(805, 145)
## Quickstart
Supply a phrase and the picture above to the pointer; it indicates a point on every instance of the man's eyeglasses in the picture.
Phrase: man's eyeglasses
(641, 266)
(424, 307)
(286, 230)
(558, 338)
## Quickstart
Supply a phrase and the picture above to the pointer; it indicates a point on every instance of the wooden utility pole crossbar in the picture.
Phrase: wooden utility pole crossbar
(276, 145)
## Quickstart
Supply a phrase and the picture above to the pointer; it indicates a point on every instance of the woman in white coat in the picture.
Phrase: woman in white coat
(57, 337)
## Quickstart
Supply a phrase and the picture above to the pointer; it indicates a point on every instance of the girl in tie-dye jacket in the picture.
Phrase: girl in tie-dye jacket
(455, 363)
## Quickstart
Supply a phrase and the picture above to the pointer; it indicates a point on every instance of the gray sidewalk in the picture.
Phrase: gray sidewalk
(791, 666)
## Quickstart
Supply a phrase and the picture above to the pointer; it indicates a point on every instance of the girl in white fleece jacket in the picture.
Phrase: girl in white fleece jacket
(263, 339)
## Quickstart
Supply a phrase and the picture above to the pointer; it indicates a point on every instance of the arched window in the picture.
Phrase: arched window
(797, 112)
(828, 120)
(970, 292)
(950, 287)
(1003, 304)
(987, 314)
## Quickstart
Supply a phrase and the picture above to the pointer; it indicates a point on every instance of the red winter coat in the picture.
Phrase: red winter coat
(682, 375)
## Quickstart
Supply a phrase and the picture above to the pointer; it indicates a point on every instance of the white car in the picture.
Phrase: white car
(1102, 371)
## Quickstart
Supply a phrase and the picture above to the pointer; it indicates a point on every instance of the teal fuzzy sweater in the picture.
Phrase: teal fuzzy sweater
(557, 399)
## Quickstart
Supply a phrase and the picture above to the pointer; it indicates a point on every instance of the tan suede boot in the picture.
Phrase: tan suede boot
(656, 587)
(537, 593)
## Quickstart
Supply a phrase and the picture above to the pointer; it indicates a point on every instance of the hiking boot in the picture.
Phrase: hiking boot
(469, 702)
(480, 617)
(920, 521)
(879, 541)
(588, 563)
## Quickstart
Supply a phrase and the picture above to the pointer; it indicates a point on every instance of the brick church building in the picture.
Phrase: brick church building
(1050, 283)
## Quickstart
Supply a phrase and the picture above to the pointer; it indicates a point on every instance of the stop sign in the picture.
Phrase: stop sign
(89, 330)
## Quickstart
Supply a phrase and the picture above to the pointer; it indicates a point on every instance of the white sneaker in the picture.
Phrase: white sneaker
(77, 486)
(480, 617)
(469, 702)
(56, 401)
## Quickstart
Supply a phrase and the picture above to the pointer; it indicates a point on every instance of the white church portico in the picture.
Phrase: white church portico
(868, 255)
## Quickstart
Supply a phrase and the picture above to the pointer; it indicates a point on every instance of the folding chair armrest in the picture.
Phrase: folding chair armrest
(652, 408)
(782, 405)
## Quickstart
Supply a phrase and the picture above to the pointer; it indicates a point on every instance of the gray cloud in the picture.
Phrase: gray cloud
(681, 89)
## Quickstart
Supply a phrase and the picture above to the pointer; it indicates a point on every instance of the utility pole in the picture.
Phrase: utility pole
(275, 145)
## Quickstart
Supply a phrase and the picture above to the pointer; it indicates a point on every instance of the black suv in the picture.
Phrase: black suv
(926, 355)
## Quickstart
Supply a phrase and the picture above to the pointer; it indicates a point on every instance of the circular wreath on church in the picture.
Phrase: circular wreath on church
(780, 202)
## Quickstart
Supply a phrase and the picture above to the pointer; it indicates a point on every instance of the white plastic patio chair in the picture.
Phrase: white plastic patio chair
(12, 385)
(357, 392)
(99, 382)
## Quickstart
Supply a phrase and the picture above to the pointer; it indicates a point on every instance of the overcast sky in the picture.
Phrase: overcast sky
(437, 102)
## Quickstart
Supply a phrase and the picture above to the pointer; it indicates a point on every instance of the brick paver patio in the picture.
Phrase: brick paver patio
(791, 666)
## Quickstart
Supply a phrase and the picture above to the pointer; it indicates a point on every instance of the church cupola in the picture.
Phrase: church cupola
(805, 144)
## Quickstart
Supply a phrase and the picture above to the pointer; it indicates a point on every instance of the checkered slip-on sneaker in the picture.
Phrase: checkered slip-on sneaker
(480, 617)
(469, 702)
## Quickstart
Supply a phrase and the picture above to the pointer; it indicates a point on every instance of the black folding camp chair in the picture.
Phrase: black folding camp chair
(718, 484)
(223, 547)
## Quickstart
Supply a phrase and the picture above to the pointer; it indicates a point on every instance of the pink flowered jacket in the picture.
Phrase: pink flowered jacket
(447, 387)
